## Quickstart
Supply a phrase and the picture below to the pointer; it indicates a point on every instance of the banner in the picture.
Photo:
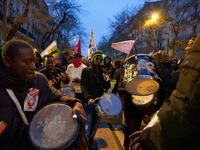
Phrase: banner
(78, 48)
(92, 46)
(52, 49)
(124, 46)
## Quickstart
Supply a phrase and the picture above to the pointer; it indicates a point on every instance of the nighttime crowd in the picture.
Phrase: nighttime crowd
(30, 83)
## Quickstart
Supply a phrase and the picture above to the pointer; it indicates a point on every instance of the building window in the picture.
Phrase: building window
(194, 29)
(196, 11)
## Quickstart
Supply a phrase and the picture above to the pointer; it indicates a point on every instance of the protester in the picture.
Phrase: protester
(53, 74)
(93, 83)
(108, 67)
(117, 76)
(63, 64)
(74, 71)
(17, 72)
(178, 126)
(38, 61)
(167, 70)
(132, 116)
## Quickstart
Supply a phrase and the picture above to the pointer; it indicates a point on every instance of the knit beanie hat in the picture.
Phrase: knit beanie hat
(97, 53)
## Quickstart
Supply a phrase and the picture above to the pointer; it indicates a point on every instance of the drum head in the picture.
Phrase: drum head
(142, 100)
(53, 127)
(110, 104)
(142, 86)
(68, 92)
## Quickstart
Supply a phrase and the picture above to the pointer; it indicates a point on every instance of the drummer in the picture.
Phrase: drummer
(17, 72)
(93, 84)
(54, 75)
(74, 71)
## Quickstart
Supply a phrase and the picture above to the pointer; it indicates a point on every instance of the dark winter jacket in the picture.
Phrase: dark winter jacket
(54, 77)
(15, 136)
(108, 68)
(179, 126)
(92, 83)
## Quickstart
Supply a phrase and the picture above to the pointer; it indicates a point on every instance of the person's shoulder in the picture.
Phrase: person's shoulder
(58, 64)
(70, 66)
(57, 69)
(83, 65)
(40, 75)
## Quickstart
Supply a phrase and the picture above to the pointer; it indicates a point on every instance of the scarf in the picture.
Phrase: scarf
(76, 62)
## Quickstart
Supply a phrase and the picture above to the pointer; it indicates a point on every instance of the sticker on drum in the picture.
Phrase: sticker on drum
(53, 127)
(68, 92)
(110, 104)
(139, 75)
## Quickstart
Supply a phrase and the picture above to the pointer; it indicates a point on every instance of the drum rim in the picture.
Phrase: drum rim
(141, 54)
(99, 104)
(68, 142)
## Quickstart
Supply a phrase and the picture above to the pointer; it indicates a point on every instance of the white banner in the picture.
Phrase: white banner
(124, 46)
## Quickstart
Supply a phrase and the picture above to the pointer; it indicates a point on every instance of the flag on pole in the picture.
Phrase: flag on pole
(78, 48)
(124, 46)
(92, 46)
(52, 49)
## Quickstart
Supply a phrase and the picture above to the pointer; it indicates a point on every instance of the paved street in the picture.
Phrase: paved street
(109, 139)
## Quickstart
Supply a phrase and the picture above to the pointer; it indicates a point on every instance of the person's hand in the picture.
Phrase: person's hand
(92, 102)
(78, 110)
(3, 125)
(140, 139)
(76, 80)
(134, 141)
(106, 77)
(62, 76)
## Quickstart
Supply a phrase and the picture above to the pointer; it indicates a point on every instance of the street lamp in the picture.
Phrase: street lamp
(150, 23)
(154, 17)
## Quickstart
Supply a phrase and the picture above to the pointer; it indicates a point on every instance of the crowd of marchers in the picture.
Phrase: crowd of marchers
(29, 83)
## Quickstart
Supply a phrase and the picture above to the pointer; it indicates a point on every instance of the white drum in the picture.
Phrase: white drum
(68, 91)
(109, 106)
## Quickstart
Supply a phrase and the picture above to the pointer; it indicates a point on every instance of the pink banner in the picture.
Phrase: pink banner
(124, 46)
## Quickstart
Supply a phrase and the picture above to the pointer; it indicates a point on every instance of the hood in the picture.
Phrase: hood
(104, 60)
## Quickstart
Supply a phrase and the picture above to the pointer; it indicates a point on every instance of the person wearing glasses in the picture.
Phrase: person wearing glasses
(93, 84)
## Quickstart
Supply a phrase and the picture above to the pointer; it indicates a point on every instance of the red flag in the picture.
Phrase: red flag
(78, 48)
(124, 46)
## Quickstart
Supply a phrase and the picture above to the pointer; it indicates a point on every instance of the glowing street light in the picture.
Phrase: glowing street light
(154, 17)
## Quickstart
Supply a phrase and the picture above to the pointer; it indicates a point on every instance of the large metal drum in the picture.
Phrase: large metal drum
(54, 128)
(139, 75)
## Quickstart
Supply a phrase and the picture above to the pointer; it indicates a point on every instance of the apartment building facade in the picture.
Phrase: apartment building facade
(36, 24)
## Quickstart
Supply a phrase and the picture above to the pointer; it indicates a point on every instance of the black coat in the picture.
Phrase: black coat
(15, 136)
(92, 83)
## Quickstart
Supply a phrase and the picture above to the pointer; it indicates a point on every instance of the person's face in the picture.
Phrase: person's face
(49, 63)
(66, 57)
(37, 60)
(22, 65)
(97, 60)
(107, 60)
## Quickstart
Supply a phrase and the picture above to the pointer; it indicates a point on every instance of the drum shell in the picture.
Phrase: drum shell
(140, 74)
(148, 108)
(74, 135)
(109, 106)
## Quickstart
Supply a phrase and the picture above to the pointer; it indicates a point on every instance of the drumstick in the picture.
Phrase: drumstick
(96, 99)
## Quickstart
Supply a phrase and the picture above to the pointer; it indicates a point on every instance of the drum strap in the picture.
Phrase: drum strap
(19, 108)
